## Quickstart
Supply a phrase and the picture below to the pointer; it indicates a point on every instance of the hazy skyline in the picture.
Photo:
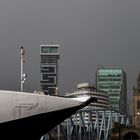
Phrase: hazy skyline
(91, 33)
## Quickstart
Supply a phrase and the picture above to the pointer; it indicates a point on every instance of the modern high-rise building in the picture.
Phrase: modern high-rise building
(114, 82)
(49, 68)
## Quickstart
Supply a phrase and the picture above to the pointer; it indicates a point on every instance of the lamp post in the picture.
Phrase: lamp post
(23, 76)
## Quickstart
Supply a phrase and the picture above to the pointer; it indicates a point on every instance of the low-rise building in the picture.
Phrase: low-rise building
(85, 90)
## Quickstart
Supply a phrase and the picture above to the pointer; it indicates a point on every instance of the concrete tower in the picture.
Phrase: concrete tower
(49, 68)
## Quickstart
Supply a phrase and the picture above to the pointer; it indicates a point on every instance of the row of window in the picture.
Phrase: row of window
(49, 69)
(109, 75)
(114, 94)
(109, 79)
(109, 87)
(49, 49)
(109, 84)
(48, 79)
(48, 61)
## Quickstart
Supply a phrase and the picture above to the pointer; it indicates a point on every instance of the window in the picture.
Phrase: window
(49, 69)
(44, 87)
(138, 104)
(48, 59)
(46, 49)
(54, 50)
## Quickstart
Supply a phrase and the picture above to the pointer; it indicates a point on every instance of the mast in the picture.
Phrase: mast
(23, 76)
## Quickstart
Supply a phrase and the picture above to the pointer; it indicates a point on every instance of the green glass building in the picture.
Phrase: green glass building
(114, 82)
(49, 55)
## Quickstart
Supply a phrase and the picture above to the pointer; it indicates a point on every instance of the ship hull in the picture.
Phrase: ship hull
(33, 127)
(29, 116)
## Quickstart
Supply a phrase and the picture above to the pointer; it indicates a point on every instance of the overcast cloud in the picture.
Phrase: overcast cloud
(90, 32)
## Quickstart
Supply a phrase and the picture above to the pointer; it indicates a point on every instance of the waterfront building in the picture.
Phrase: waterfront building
(114, 82)
(136, 103)
(49, 55)
(87, 89)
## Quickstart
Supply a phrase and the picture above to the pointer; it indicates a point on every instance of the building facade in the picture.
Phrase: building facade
(49, 55)
(114, 82)
(136, 103)
(86, 90)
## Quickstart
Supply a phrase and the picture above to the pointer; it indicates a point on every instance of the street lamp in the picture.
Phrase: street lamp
(23, 76)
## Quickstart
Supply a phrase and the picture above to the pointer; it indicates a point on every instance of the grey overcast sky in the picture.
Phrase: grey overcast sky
(90, 32)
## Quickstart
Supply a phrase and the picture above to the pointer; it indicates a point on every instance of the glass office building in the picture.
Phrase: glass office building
(48, 68)
(113, 81)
